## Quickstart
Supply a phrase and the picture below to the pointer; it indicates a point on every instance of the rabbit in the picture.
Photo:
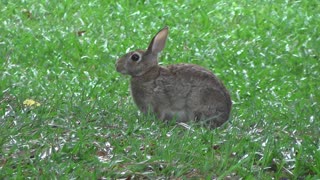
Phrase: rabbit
(181, 92)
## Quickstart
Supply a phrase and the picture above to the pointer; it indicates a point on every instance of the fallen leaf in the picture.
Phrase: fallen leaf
(27, 13)
(81, 33)
(31, 102)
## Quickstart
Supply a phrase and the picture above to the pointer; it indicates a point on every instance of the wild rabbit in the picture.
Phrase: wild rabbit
(184, 92)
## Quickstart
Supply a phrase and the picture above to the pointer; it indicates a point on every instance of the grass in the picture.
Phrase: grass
(62, 55)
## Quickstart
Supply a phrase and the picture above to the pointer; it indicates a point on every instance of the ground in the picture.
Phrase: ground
(66, 113)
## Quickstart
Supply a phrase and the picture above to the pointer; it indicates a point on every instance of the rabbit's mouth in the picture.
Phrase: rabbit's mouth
(121, 70)
(120, 67)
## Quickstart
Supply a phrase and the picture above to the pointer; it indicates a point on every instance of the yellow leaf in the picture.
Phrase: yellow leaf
(31, 102)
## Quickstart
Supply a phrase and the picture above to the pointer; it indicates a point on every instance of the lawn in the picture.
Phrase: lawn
(65, 113)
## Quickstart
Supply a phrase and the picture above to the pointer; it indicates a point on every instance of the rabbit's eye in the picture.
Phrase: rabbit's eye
(135, 57)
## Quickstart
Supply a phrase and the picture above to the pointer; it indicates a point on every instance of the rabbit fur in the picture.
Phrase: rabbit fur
(184, 92)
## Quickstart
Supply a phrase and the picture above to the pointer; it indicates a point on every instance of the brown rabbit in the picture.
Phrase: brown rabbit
(185, 92)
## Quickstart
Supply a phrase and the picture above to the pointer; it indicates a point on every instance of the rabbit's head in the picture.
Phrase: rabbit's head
(138, 62)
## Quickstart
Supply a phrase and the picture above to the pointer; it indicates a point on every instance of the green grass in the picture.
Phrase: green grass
(266, 52)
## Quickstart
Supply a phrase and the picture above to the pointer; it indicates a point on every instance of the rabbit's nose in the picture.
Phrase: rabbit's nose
(120, 68)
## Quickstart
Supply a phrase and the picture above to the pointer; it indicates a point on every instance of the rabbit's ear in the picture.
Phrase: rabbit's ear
(158, 42)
